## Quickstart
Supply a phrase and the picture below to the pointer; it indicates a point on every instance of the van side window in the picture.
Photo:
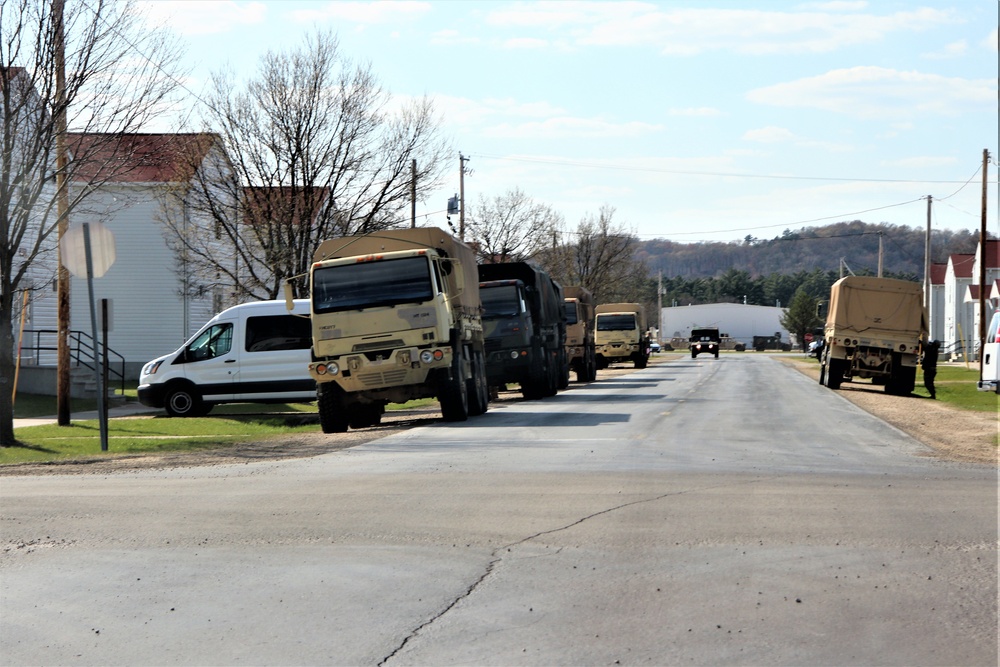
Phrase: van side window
(278, 332)
(215, 341)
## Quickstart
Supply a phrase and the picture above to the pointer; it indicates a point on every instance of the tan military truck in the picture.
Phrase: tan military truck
(620, 335)
(580, 333)
(874, 329)
(396, 316)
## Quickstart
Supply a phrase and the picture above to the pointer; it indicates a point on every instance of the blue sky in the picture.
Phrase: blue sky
(696, 121)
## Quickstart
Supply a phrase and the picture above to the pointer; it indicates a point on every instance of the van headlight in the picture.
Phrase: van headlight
(151, 367)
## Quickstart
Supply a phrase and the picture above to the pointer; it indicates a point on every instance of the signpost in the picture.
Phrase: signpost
(89, 250)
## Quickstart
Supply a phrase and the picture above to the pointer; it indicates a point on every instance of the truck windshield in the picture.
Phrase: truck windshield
(369, 284)
(570, 312)
(624, 322)
(500, 301)
(704, 334)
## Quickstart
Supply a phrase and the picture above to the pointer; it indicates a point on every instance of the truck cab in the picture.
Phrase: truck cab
(705, 340)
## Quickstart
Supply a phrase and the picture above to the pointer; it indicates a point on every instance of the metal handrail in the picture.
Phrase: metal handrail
(81, 347)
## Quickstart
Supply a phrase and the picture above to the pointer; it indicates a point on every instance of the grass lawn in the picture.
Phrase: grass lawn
(957, 385)
(227, 425)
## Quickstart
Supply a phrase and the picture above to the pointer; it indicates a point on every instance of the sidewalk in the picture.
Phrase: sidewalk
(130, 409)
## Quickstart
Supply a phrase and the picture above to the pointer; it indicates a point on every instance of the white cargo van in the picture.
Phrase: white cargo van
(990, 380)
(251, 353)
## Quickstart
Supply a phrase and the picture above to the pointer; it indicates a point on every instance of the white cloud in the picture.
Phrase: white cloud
(993, 41)
(452, 38)
(381, 11)
(878, 92)
(565, 127)
(686, 31)
(206, 16)
(525, 43)
(953, 50)
(921, 162)
(769, 135)
(705, 112)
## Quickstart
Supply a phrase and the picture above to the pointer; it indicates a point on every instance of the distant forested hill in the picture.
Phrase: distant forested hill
(809, 249)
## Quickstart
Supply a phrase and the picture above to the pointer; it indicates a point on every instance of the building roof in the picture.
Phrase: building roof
(972, 292)
(962, 265)
(138, 158)
(938, 272)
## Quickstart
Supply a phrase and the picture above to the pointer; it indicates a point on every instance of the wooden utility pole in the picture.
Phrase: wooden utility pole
(461, 195)
(982, 267)
(880, 254)
(62, 207)
(413, 193)
(927, 260)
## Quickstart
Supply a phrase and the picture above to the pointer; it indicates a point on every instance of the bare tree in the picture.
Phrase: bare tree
(119, 74)
(600, 256)
(511, 227)
(315, 150)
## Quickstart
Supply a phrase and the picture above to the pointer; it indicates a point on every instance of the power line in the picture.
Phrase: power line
(720, 174)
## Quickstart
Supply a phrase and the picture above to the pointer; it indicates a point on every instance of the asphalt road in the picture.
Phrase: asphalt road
(704, 512)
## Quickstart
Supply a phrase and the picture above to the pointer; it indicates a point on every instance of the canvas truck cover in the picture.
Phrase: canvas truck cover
(625, 308)
(877, 307)
(407, 239)
(550, 298)
(581, 294)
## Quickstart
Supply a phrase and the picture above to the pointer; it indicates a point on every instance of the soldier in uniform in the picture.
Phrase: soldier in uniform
(929, 364)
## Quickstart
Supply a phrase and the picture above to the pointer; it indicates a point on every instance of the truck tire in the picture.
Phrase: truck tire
(551, 387)
(363, 416)
(479, 391)
(330, 405)
(902, 379)
(453, 394)
(185, 401)
(591, 369)
(835, 373)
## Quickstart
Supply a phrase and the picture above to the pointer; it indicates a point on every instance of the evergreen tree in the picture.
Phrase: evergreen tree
(800, 316)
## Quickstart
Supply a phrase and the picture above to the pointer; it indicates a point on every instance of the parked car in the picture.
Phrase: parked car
(251, 353)
(654, 347)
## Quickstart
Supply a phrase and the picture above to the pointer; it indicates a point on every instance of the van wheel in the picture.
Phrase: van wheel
(185, 402)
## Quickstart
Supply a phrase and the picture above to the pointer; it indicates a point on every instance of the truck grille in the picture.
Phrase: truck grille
(382, 378)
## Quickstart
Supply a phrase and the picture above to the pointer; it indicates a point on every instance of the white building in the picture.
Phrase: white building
(740, 321)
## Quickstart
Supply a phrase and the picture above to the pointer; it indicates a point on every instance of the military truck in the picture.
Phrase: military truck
(524, 325)
(874, 329)
(620, 335)
(704, 340)
(396, 316)
(580, 333)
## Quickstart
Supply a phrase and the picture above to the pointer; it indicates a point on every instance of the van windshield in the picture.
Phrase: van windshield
(370, 284)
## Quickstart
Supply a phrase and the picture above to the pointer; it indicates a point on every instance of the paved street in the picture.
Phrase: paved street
(704, 512)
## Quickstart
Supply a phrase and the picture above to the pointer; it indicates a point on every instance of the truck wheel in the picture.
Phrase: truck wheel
(453, 395)
(332, 415)
(185, 402)
(592, 370)
(363, 416)
(640, 361)
(716, 354)
(479, 392)
(563, 370)
(834, 373)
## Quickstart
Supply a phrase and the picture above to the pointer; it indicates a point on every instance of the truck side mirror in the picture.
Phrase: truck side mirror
(289, 296)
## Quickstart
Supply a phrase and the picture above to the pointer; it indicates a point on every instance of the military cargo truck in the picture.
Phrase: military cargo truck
(524, 325)
(874, 329)
(395, 316)
(580, 333)
(620, 335)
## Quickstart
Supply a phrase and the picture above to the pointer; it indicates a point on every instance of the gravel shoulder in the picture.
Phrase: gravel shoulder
(952, 434)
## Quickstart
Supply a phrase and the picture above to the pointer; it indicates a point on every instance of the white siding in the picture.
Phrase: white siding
(740, 321)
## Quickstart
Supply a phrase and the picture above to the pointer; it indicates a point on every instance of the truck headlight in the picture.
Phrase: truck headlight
(330, 368)
(426, 356)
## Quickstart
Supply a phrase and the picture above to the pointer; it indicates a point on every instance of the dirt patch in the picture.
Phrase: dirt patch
(953, 434)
